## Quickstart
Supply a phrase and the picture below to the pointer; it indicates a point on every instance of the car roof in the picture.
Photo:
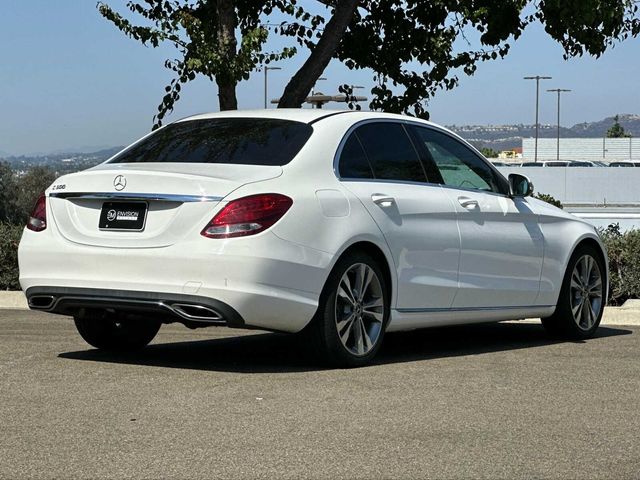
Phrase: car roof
(306, 115)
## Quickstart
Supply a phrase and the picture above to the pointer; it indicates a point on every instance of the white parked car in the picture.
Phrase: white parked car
(344, 225)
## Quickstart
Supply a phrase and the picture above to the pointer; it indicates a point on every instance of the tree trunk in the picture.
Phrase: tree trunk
(227, 45)
(300, 85)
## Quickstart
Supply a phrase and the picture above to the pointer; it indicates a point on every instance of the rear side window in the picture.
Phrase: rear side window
(353, 161)
(248, 141)
(390, 152)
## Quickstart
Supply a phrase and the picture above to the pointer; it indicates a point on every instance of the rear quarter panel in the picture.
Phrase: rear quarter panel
(324, 216)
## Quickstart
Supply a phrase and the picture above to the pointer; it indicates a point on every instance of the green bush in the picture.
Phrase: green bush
(545, 197)
(624, 263)
(9, 239)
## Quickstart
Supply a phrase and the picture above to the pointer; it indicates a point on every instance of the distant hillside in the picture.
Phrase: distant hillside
(61, 163)
(504, 137)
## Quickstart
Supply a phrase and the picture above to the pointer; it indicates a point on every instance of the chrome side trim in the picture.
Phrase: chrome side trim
(160, 197)
(469, 309)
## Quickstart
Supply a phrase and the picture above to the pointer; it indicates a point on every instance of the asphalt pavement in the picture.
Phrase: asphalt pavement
(482, 401)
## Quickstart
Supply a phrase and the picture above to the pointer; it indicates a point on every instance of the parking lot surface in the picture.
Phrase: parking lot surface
(483, 401)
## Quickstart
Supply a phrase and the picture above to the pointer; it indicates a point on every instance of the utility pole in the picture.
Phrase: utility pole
(266, 72)
(558, 91)
(537, 78)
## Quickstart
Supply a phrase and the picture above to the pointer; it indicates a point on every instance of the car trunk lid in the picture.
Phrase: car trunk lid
(175, 199)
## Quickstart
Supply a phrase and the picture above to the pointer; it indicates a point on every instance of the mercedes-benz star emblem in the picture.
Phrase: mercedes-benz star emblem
(119, 182)
(111, 215)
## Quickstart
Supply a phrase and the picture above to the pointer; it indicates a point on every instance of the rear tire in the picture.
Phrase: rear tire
(353, 312)
(107, 332)
(581, 302)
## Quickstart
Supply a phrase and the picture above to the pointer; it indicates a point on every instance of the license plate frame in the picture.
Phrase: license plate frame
(123, 216)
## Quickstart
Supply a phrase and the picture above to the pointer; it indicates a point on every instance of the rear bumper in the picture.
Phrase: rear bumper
(270, 283)
(190, 309)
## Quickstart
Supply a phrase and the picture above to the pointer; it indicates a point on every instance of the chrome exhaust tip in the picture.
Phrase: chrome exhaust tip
(41, 302)
(198, 313)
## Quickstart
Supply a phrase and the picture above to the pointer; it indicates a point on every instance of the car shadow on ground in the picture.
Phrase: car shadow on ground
(280, 353)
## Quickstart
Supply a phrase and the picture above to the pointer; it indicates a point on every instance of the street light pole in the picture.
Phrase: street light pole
(537, 78)
(558, 91)
(266, 71)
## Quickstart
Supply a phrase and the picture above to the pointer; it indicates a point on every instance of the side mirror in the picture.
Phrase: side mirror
(519, 185)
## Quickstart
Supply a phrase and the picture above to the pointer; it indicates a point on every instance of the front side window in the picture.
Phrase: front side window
(390, 152)
(458, 165)
(248, 141)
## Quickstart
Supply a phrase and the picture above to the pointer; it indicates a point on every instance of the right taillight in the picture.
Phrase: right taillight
(38, 218)
(247, 216)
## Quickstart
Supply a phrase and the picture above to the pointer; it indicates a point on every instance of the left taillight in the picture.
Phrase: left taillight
(247, 216)
(38, 218)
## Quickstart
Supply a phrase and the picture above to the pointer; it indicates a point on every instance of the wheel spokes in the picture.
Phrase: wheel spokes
(359, 309)
(586, 291)
(365, 335)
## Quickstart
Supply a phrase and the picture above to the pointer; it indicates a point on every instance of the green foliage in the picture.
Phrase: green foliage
(9, 240)
(489, 152)
(204, 35)
(617, 130)
(8, 191)
(414, 47)
(624, 263)
(545, 197)
(408, 73)
(19, 194)
(17, 197)
(31, 185)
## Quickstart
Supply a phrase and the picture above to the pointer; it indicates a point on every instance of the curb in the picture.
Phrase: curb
(627, 314)
(13, 300)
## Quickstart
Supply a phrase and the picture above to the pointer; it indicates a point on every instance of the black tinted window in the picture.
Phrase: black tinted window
(459, 166)
(250, 141)
(353, 161)
(390, 152)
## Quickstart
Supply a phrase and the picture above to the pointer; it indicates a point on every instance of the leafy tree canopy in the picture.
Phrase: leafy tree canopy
(617, 130)
(413, 47)
(205, 34)
(489, 152)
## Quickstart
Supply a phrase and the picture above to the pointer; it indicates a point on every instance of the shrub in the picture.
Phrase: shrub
(545, 197)
(9, 239)
(624, 263)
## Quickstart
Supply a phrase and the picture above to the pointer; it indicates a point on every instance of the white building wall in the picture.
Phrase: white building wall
(585, 185)
(607, 149)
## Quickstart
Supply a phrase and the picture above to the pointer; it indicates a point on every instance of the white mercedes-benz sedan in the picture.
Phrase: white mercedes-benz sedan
(342, 225)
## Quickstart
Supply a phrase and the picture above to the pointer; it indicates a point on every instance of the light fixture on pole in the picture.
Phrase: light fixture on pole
(266, 71)
(558, 91)
(537, 78)
(313, 90)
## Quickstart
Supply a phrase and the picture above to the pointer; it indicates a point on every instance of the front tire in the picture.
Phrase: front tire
(107, 332)
(353, 312)
(581, 302)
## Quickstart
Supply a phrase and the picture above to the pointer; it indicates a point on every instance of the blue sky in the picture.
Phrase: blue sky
(70, 80)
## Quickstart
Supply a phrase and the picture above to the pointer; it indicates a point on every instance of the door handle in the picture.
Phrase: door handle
(467, 202)
(382, 200)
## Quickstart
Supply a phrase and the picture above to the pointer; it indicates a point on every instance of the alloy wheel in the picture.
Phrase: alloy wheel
(586, 292)
(359, 309)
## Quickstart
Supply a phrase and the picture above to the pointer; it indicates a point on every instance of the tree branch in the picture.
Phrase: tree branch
(300, 85)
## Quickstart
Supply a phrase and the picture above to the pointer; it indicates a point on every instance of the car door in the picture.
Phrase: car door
(379, 163)
(502, 245)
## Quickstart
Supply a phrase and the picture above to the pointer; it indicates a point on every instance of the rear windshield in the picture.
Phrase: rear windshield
(249, 141)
